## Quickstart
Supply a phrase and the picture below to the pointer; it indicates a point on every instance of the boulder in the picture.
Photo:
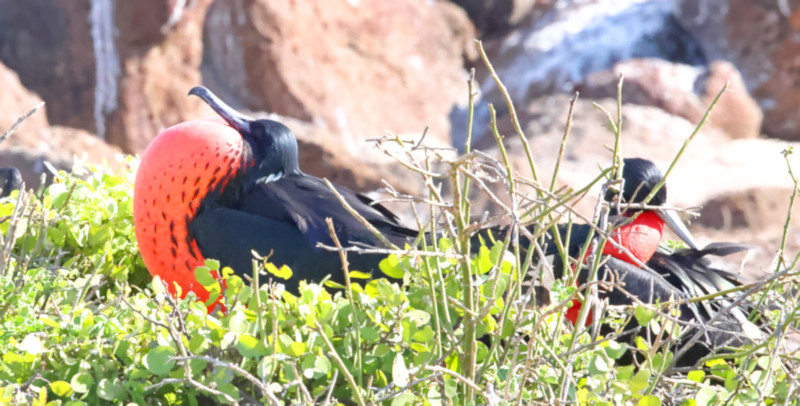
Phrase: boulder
(551, 54)
(681, 90)
(35, 140)
(122, 76)
(361, 68)
(761, 40)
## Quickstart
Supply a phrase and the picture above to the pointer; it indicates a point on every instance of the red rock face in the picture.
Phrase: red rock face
(35, 140)
(160, 61)
(361, 69)
(48, 43)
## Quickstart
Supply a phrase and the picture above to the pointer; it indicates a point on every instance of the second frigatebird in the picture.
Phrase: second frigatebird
(649, 276)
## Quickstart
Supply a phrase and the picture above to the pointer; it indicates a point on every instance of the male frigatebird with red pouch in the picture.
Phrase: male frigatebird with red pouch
(635, 234)
(676, 277)
(223, 189)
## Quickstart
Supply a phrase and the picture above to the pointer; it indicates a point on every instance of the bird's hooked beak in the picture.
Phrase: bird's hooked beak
(236, 120)
(675, 223)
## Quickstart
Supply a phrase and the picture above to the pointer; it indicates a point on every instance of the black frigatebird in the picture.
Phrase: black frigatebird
(213, 189)
(648, 275)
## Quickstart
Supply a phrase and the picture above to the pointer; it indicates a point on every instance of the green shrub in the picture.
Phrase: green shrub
(83, 324)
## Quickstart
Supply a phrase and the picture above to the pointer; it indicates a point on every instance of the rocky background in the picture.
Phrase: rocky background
(341, 72)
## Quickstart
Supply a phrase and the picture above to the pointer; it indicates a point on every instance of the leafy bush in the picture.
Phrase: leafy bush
(79, 326)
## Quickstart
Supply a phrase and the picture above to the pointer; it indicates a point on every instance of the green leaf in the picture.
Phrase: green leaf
(283, 272)
(598, 365)
(405, 399)
(109, 389)
(237, 322)
(198, 343)
(203, 276)
(250, 347)
(32, 344)
(212, 264)
(360, 275)
(640, 381)
(61, 388)
(56, 236)
(484, 260)
(296, 349)
(158, 285)
(157, 360)
(370, 334)
(696, 376)
(424, 335)
(705, 396)
(391, 267)
(616, 350)
(99, 235)
(314, 366)
(649, 400)
(82, 382)
(418, 317)
(643, 315)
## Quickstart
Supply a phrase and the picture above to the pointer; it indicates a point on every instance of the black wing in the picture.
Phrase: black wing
(286, 219)
(306, 202)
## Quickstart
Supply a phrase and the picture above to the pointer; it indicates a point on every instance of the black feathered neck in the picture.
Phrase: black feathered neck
(274, 150)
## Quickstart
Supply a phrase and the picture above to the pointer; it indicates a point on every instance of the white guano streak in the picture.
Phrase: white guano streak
(107, 67)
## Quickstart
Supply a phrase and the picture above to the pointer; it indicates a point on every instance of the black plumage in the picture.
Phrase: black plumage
(273, 208)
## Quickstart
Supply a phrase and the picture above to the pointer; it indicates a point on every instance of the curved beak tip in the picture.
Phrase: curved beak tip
(677, 225)
(196, 91)
(234, 118)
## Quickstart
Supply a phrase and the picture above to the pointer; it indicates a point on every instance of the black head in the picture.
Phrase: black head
(641, 176)
(272, 144)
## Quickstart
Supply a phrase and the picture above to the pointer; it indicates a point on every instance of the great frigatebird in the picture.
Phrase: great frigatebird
(647, 275)
(213, 189)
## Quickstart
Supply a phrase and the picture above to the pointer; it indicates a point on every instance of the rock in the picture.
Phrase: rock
(49, 44)
(15, 101)
(160, 50)
(494, 18)
(551, 54)
(736, 113)
(682, 90)
(393, 66)
(35, 140)
(757, 210)
(761, 40)
(123, 76)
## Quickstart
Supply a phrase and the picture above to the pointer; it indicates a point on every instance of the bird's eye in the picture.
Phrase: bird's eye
(260, 134)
